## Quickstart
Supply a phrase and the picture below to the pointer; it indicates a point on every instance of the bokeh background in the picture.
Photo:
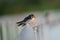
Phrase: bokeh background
(12, 11)
(18, 6)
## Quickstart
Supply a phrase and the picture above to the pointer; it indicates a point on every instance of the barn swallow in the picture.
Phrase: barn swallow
(23, 22)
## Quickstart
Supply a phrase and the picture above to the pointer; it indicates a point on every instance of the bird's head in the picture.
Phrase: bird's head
(32, 18)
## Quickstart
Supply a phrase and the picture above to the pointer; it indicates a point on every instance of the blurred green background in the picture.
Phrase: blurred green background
(19, 6)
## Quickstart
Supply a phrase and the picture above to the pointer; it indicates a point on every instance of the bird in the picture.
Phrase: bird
(23, 22)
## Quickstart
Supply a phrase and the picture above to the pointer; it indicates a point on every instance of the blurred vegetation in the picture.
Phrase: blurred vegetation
(18, 6)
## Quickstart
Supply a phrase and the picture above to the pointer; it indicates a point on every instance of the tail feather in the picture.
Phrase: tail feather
(18, 22)
(21, 23)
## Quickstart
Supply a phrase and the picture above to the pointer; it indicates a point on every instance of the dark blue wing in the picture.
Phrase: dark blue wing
(27, 18)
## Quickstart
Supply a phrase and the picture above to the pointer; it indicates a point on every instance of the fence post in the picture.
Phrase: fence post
(4, 31)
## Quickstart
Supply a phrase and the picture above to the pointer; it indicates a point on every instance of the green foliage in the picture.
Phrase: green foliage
(18, 6)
